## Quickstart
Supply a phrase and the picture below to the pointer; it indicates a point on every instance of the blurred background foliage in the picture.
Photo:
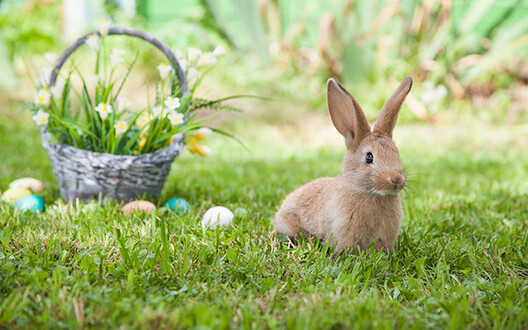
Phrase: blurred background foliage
(467, 57)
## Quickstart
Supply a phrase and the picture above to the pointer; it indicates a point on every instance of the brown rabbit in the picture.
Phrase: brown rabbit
(360, 206)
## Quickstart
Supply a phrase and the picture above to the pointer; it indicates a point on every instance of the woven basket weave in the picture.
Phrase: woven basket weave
(85, 174)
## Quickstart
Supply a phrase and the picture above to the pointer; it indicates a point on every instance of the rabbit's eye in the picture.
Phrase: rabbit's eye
(370, 158)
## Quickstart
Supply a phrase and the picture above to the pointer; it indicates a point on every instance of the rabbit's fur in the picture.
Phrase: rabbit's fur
(361, 206)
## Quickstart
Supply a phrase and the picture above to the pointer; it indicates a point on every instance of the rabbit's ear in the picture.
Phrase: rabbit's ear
(389, 113)
(346, 114)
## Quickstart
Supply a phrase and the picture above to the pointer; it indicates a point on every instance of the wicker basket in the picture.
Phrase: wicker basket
(85, 174)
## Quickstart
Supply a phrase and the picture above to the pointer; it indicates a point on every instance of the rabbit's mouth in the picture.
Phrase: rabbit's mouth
(387, 192)
(386, 184)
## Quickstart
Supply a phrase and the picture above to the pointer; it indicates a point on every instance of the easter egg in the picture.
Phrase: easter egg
(138, 206)
(178, 205)
(217, 216)
(12, 195)
(31, 203)
(28, 183)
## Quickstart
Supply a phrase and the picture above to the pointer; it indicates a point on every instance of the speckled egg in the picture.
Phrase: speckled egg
(217, 216)
(138, 206)
(178, 205)
(12, 195)
(29, 183)
(31, 203)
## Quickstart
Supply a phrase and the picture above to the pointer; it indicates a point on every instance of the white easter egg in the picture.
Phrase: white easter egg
(29, 183)
(217, 216)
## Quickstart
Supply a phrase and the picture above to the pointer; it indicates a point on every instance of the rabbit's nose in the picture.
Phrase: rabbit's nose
(397, 179)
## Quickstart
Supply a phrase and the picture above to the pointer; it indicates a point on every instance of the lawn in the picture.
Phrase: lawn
(461, 259)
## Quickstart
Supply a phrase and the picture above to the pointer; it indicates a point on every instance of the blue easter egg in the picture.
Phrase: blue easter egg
(178, 205)
(32, 203)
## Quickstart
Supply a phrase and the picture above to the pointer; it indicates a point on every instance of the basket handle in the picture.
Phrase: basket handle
(129, 32)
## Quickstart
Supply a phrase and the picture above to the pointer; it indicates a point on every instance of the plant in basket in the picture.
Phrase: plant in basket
(101, 145)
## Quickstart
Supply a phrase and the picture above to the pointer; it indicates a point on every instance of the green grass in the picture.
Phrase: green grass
(461, 259)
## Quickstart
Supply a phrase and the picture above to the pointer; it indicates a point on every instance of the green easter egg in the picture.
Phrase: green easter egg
(31, 203)
(178, 205)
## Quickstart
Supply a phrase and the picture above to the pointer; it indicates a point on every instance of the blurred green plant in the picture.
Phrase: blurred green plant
(27, 27)
(470, 49)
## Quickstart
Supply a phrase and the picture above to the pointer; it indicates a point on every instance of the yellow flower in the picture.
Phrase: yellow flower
(201, 150)
(192, 146)
(202, 133)
(142, 143)
(204, 151)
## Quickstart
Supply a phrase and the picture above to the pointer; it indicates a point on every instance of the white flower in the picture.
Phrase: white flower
(175, 118)
(118, 52)
(219, 51)
(115, 60)
(58, 88)
(122, 104)
(93, 79)
(159, 111)
(183, 64)
(43, 76)
(51, 58)
(93, 41)
(172, 102)
(202, 133)
(104, 109)
(104, 26)
(192, 74)
(207, 59)
(120, 127)
(179, 54)
(41, 118)
(193, 55)
(116, 57)
(42, 97)
(164, 70)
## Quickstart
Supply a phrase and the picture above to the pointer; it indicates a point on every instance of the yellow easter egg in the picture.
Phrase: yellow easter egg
(12, 195)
